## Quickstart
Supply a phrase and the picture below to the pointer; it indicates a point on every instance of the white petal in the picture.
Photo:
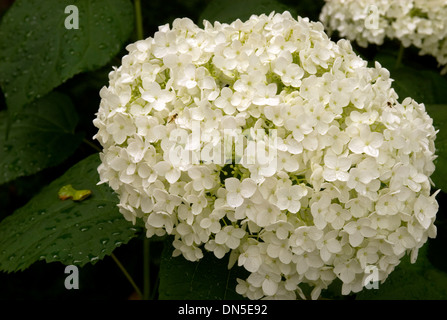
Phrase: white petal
(162, 168)
(221, 237)
(252, 264)
(356, 145)
(315, 261)
(301, 266)
(330, 161)
(232, 184)
(146, 204)
(333, 246)
(173, 175)
(248, 187)
(325, 254)
(194, 173)
(269, 287)
(329, 174)
(320, 222)
(285, 256)
(156, 220)
(234, 199)
(355, 239)
(294, 206)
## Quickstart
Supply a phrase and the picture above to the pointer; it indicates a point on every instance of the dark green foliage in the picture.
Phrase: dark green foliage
(50, 229)
(41, 136)
(207, 279)
(37, 52)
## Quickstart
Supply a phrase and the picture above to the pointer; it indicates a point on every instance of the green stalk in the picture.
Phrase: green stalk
(154, 290)
(127, 275)
(139, 19)
(91, 144)
(400, 56)
(147, 269)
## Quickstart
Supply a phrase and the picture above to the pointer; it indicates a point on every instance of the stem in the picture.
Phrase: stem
(154, 291)
(139, 19)
(91, 144)
(127, 275)
(400, 55)
(147, 269)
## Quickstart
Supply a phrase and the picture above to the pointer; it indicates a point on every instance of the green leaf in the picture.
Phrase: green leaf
(439, 114)
(40, 136)
(50, 229)
(418, 281)
(230, 10)
(207, 279)
(37, 52)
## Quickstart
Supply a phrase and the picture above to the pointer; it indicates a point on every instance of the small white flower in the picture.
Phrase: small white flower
(336, 168)
(368, 256)
(289, 198)
(219, 250)
(121, 128)
(266, 95)
(161, 219)
(367, 142)
(305, 238)
(329, 245)
(165, 201)
(425, 209)
(299, 127)
(147, 127)
(202, 178)
(401, 240)
(156, 96)
(347, 271)
(308, 260)
(337, 216)
(358, 230)
(230, 236)
(251, 258)
(238, 191)
(167, 170)
(226, 101)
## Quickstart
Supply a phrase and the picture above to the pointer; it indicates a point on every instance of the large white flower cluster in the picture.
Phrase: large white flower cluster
(421, 23)
(266, 140)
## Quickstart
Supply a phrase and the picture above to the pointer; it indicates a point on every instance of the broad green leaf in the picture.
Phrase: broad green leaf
(38, 53)
(418, 281)
(50, 229)
(230, 10)
(439, 114)
(41, 136)
(207, 279)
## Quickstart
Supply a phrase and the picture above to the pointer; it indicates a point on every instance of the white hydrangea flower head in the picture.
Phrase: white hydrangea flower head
(419, 23)
(267, 141)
